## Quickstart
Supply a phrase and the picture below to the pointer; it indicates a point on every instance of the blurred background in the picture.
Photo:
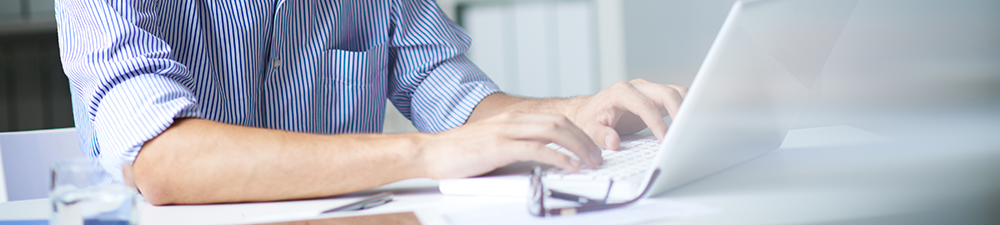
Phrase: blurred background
(923, 77)
(562, 48)
(895, 57)
(534, 48)
(924, 74)
(34, 92)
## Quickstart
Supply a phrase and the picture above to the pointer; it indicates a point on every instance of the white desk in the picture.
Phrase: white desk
(411, 195)
(851, 178)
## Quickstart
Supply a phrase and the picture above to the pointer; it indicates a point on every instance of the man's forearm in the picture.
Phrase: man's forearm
(201, 161)
(500, 102)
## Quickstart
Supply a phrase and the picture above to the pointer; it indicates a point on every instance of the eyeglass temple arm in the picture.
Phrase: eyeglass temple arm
(594, 207)
(581, 199)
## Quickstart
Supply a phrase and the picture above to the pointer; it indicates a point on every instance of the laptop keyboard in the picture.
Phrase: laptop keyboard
(633, 157)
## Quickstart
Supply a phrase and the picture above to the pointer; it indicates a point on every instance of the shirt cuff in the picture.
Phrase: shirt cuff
(444, 110)
(134, 112)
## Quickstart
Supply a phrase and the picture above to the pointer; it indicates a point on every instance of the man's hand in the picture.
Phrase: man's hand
(626, 108)
(512, 136)
(623, 108)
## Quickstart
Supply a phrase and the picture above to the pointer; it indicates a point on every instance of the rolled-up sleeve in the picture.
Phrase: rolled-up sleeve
(126, 87)
(432, 82)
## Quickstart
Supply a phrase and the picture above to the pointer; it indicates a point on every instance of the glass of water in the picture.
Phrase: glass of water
(83, 192)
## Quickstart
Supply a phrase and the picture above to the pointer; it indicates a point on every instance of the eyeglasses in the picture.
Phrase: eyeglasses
(536, 199)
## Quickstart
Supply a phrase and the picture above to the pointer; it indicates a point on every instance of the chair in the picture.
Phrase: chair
(26, 157)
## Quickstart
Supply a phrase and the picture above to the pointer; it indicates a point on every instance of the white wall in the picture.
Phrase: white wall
(667, 40)
(528, 48)
(535, 49)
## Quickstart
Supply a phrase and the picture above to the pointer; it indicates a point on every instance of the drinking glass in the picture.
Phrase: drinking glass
(82, 192)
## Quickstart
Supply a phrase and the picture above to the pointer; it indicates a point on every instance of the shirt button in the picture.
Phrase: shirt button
(277, 62)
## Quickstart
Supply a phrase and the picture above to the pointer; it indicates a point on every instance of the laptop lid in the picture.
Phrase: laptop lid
(759, 70)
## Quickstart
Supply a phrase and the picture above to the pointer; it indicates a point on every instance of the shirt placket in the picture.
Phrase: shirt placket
(276, 61)
(279, 34)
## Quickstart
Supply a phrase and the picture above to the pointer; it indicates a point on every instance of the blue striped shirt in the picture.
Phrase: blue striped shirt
(318, 66)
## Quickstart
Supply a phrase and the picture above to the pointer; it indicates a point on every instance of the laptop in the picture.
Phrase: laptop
(761, 67)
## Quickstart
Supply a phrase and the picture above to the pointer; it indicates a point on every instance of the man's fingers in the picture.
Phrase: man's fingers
(535, 151)
(680, 89)
(647, 110)
(551, 128)
(604, 136)
(669, 96)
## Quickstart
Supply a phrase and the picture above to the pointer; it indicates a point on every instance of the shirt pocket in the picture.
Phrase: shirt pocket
(361, 68)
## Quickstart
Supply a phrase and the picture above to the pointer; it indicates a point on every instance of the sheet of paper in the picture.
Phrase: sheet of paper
(510, 181)
(502, 185)
(515, 212)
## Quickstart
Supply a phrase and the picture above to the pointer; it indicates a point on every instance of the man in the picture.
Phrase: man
(233, 101)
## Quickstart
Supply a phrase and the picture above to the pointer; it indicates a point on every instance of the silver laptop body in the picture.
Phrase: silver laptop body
(759, 70)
